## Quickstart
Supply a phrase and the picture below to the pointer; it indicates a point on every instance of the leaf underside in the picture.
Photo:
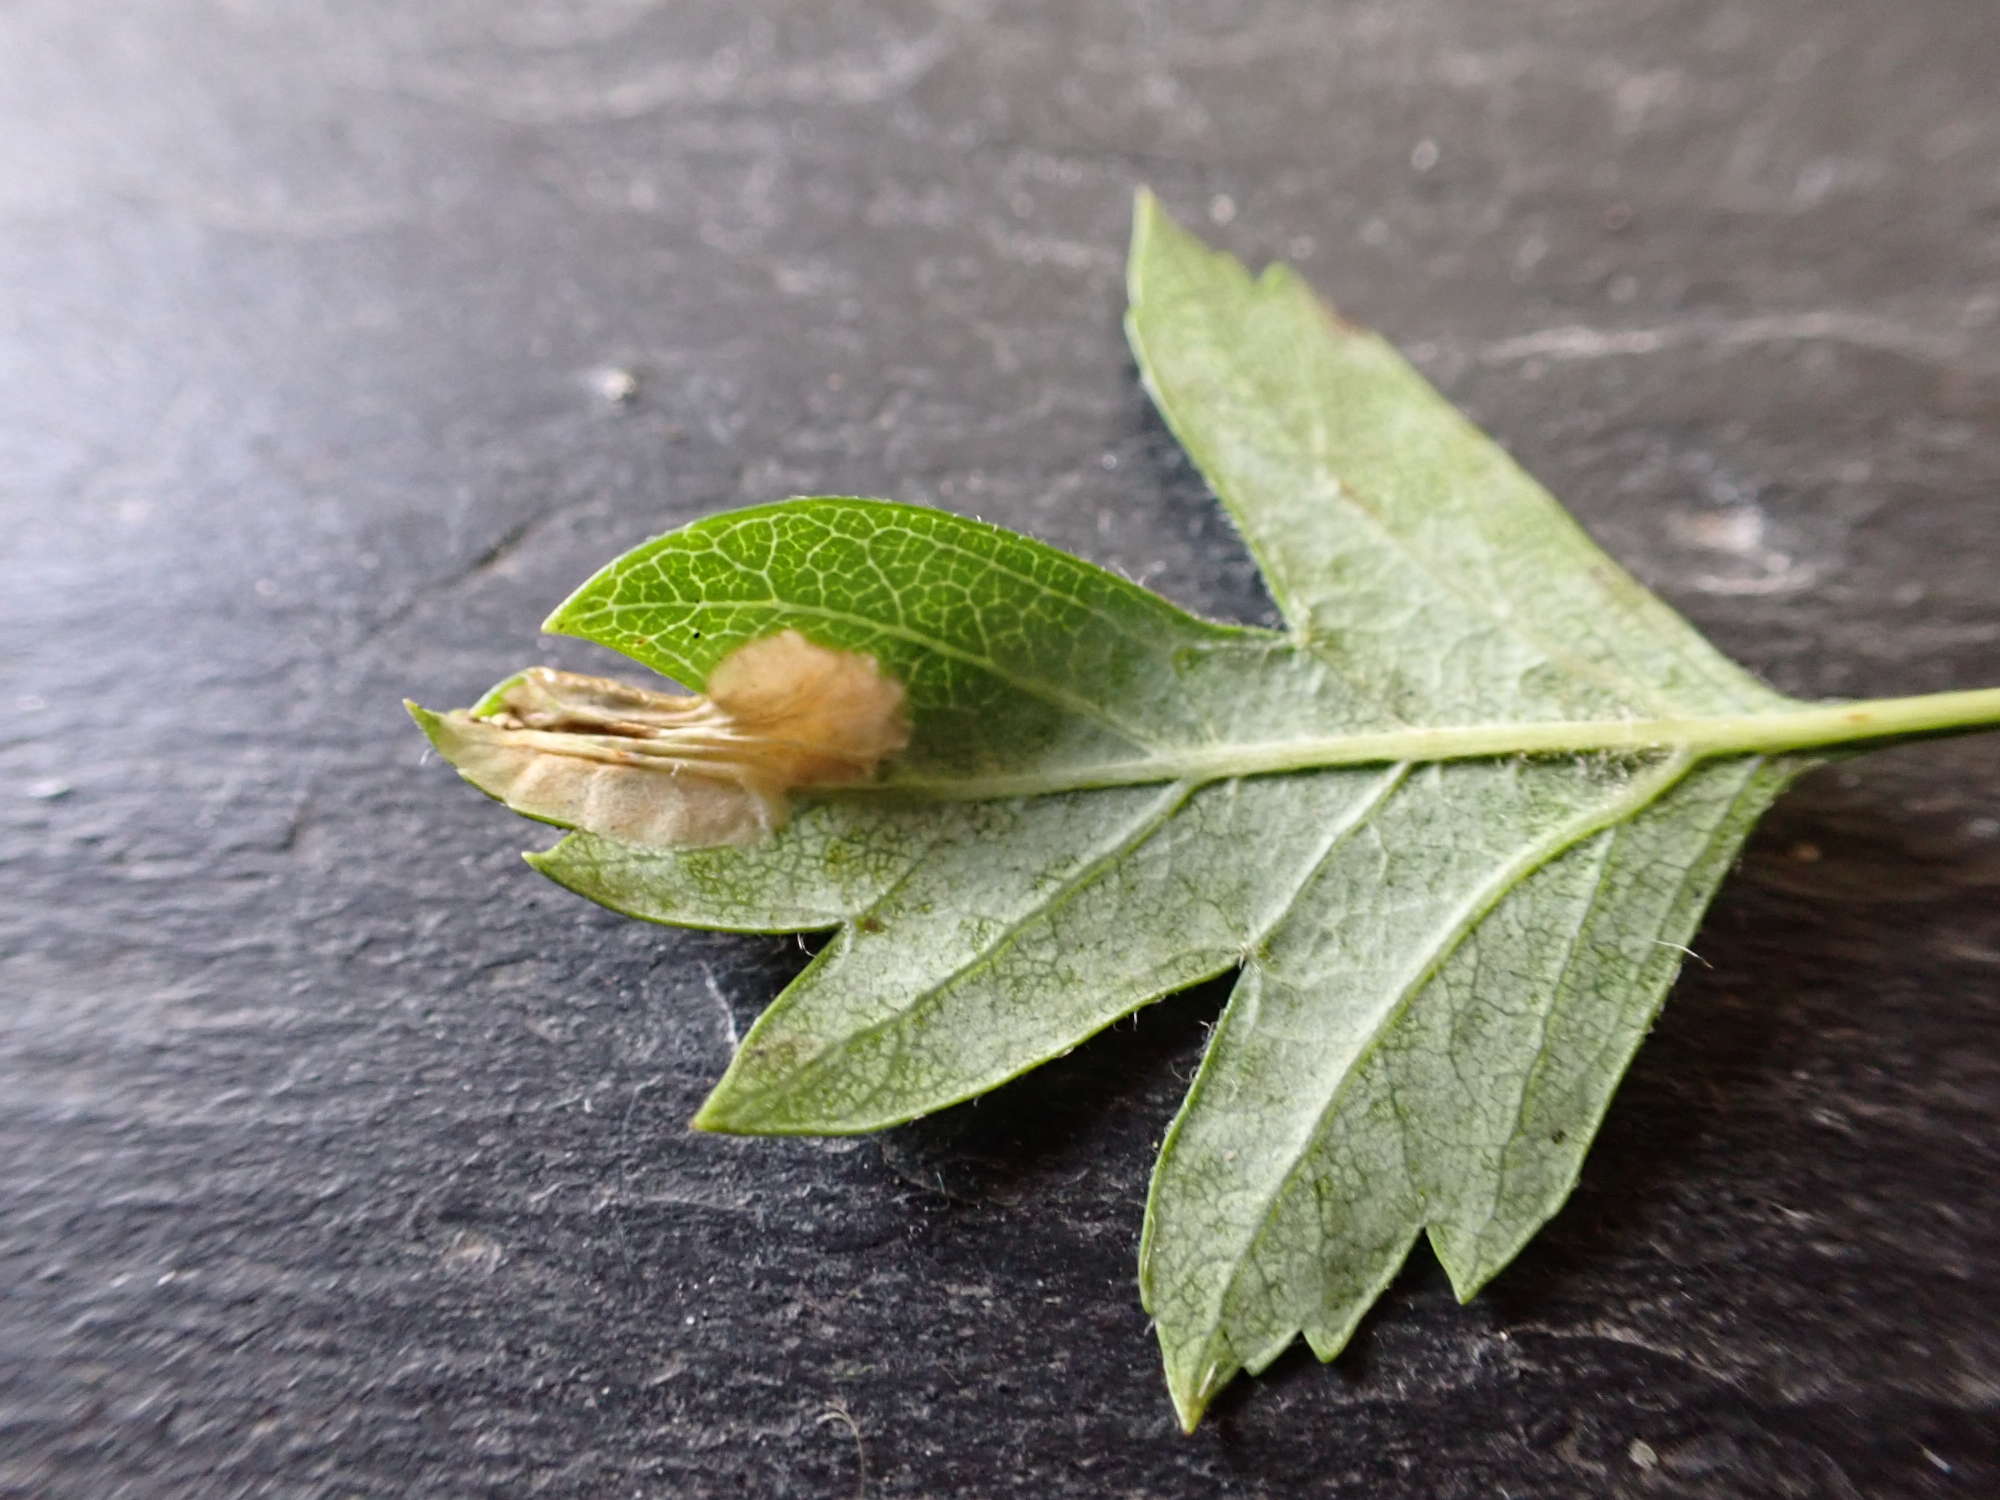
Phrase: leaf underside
(1444, 967)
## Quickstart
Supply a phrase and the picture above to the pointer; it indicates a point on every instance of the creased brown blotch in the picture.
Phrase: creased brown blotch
(670, 772)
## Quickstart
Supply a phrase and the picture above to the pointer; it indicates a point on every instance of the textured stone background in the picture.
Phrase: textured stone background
(341, 1157)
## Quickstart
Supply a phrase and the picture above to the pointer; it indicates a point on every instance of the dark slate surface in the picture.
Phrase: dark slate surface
(342, 1157)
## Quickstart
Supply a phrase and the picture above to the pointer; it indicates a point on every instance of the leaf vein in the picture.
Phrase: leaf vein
(1470, 912)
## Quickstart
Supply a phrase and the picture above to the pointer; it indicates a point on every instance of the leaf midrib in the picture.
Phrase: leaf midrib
(1806, 727)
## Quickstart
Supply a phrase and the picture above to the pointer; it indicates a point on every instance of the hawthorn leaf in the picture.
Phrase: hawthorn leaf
(1452, 828)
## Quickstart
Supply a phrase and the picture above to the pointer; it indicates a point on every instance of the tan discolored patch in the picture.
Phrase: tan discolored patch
(670, 772)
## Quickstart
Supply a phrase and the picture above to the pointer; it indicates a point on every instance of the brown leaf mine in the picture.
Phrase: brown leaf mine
(670, 772)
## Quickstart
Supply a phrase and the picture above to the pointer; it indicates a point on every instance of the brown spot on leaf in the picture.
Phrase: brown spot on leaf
(668, 771)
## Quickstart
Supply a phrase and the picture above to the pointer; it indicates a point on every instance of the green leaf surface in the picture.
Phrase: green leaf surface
(1452, 828)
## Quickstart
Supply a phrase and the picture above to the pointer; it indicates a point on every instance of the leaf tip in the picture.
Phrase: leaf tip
(1145, 206)
(708, 1120)
(729, 1109)
(432, 724)
(1149, 216)
(564, 619)
(1471, 1261)
(723, 1111)
(1150, 223)
(1193, 1390)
